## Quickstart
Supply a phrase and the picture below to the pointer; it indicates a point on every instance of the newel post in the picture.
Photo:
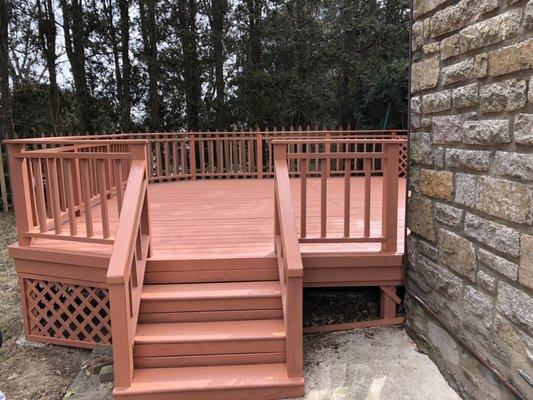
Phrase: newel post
(390, 196)
(20, 189)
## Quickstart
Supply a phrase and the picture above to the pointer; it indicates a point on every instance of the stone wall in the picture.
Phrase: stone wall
(470, 251)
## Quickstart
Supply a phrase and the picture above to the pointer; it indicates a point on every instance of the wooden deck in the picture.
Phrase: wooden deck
(233, 218)
(181, 251)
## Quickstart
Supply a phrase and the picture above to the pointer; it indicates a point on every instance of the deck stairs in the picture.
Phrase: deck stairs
(211, 330)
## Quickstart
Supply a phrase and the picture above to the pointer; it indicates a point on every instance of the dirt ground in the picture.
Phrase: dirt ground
(27, 372)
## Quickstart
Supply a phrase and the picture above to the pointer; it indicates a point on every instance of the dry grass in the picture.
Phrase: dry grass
(27, 372)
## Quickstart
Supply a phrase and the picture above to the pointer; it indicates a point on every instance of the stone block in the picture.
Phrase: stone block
(457, 253)
(416, 103)
(447, 129)
(449, 47)
(481, 65)
(465, 96)
(423, 152)
(525, 275)
(489, 132)
(421, 7)
(523, 126)
(509, 95)
(498, 264)
(438, 277)
(424, 74)
(438, 184)
(516, 305)
(490, 31)
(478, 160)
(459, 15)
(478, 304)
(516, 165)
(431, 48)
(421, 217)
(435, 102)
(428, 250)
(486, 281)
(465, 189)
(516, 57)
(448, 215)
(498, 236)
(528, 19)
(504, 199)
(458, 72)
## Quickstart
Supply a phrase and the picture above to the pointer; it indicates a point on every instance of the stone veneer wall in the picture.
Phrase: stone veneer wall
(470, 251)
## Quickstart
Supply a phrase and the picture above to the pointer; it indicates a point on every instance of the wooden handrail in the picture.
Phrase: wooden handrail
(289, 263)
(127, 266)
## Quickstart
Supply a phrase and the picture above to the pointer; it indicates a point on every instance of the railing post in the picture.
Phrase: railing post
(295, 328)
(390, 197)
(192, 157)
(20, 181)
(259, 158)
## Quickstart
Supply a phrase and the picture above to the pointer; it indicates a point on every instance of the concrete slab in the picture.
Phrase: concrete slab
(373, 364)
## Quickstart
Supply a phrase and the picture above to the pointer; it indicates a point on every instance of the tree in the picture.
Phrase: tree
(147, 11)
(125, 105)
(47, 40)
(191, 80)
(5, 95)
(217, 22)
(73, 27)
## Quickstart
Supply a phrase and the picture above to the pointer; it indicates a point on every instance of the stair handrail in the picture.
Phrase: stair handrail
(127, 265)
(289, 263)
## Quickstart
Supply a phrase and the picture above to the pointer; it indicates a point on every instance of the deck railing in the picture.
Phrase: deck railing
(359, 163)
(127, 266)
(53, 186)
(289, 263)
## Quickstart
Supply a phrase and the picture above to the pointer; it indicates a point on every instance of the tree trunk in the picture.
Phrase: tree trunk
(6, 116)
(74, 44)
(47, 41)
(191, 80)
(218, 16)
(149, 37)
(254, 63)
(125, 106)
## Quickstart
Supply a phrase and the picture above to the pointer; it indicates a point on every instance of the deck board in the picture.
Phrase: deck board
(234, 218)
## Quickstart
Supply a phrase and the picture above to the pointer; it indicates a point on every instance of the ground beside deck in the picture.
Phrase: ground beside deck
(235, 218)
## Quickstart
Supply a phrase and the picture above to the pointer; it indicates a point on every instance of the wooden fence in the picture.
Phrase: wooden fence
(234, 155)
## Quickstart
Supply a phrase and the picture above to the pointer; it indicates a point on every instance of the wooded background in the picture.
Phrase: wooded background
(76, 66)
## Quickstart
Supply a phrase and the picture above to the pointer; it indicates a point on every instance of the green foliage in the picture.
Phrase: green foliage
(315, 62)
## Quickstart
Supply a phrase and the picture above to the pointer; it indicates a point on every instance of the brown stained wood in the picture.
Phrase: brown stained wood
(52, 172)
(367, 185)
(102, 191)
(347, 181)
(71, 200)
(324, 197)
(39, 194)
(354, 325)
(303, 198)
(86, 196)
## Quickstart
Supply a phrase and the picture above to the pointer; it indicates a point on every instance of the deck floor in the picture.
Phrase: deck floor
(233, 218)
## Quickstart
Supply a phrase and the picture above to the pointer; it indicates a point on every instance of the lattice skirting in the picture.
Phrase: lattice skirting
(67, 313)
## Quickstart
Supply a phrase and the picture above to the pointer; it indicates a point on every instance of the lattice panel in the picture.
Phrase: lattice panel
(403, 160)
(68, 312)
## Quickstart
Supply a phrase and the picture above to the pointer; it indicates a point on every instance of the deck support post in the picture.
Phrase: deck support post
(387, 304)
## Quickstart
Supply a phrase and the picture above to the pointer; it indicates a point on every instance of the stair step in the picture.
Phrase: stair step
(200, 316)
(208, 338)
(228, 296)
(240, 382)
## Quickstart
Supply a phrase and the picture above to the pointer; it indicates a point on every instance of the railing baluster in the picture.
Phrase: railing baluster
(211, 157)
(303, 198)
(201, 151)
(86, 196)
(51, 166)
(39, 194)
(183, 152)
(175, 157)
(167, 159)
(259, 147)
(366, 209)
(323, 197)
(347, 181)
(70, 198)
(192, 157)
(101, 178)
(118, 183)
